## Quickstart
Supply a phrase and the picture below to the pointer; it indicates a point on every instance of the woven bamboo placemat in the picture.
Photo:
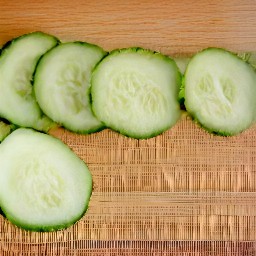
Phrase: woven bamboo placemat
(185, 192)
(153, 197)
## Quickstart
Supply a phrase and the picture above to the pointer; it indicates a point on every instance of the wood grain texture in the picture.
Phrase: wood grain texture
(182, 185)
(172, 27)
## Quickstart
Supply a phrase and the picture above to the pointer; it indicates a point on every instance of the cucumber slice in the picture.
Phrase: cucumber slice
(62, 85)
(135, 92)
(44, 186)
(220, 91)
(17, 64)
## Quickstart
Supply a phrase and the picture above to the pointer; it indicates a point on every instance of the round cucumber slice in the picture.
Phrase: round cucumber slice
(62, 85)
(135, 92)
(17, 65)
(44, 186)
(220, 91)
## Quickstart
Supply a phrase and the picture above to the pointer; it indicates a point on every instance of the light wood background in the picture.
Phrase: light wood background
(182, 185)
(172, 27)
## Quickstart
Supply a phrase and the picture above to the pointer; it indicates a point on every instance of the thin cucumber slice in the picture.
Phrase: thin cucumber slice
(17, 64)
(220, 91)
(135, 92)
(62, 85)
(44, 186)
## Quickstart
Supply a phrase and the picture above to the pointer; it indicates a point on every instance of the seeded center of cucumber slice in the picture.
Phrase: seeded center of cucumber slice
(72, 85)
(216, 95)
(41, 184)
(22, 83)
(131, 91)
(24, 89)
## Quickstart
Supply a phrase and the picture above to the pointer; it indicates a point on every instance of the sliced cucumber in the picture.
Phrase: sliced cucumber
(62, 85)
(44, 186)
(220, 91)
(17, 64)
(135, 91)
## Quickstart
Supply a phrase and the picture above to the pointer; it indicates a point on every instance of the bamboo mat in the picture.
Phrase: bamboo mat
(185, 192)
(182, 185)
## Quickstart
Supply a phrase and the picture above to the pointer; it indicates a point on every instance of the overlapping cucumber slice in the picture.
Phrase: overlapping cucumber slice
(17, 65)
(62, 85)
(135, 92)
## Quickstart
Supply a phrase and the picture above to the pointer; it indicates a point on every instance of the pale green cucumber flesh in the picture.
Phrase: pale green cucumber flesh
(17, 64)
(135, 92)
(220, 91)
(62, 85)
(44, 186)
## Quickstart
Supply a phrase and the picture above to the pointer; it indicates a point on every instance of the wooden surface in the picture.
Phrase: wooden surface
(150, 193)
(172, 27)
